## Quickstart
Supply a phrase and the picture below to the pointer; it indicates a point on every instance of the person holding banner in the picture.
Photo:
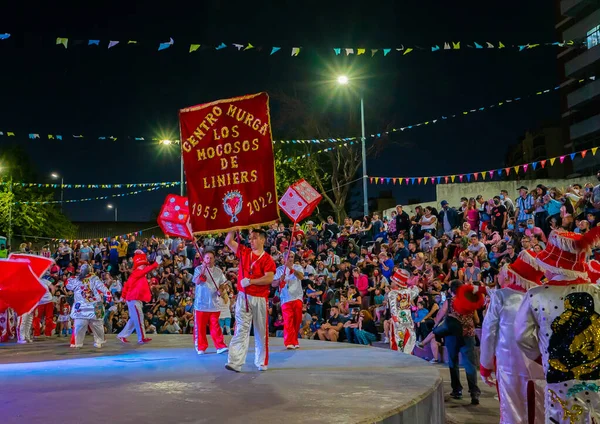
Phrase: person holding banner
(208, 279)
(288, 278)
(255, 275)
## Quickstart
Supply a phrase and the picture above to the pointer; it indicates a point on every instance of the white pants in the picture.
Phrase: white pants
(24, 327)
(257, 315)
(135, 322)
(97, 327)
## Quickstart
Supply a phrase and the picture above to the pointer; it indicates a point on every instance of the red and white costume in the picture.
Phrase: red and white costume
(88, 306)
(136, 291)
(251, 308)
(7, 323)
(515, 373)
(290, 294)
(206, 307)
(560, 321)
(400, 299)
(45, 311)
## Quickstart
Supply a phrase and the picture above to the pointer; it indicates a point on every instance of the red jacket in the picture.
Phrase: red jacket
(136, 286)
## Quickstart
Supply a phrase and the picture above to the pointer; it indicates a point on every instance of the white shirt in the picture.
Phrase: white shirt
(47, 298)
(293, 287)
(206, 298)
(309, 269)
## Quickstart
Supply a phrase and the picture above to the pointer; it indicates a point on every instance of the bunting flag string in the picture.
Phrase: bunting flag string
(101, 239)
(505, 102)
(92, 186)
(131, 193)
(480, 175)
(402, 50)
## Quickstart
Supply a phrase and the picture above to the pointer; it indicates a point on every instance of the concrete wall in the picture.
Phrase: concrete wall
(453, 192)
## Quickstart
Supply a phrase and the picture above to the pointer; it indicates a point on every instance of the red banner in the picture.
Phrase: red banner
(227, 151)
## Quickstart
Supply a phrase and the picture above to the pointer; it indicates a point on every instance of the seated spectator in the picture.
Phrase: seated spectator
(351, 325)
(171, 327)
(330, 330)
(366, 332)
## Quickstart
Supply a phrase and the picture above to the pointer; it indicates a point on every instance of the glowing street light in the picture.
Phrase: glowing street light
(165, 142)
(109, 206)
(343, 80)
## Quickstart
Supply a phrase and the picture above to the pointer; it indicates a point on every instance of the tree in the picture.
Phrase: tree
(19, 207)
(331, 167)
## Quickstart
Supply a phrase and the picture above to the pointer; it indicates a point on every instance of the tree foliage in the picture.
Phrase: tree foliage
(26, 217)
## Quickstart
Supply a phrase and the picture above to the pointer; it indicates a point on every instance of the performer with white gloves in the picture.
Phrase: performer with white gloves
(88, 306)
(255, 275)
(209, 280)
(135, 292)
(400, 298)
(288, 278)
(499, 350)
(560, 321)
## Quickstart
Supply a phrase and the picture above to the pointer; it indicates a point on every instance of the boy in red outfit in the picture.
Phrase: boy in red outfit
(135, 292)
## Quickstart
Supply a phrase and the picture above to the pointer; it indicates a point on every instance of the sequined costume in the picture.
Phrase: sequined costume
(561, 322)
(88, 306)
(400, 299)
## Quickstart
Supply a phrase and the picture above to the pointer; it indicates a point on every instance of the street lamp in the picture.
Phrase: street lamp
(167, 142)
(62, 188)
(343, 80)
(109, 206)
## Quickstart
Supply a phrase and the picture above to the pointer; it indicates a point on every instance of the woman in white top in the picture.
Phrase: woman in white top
(428, 221)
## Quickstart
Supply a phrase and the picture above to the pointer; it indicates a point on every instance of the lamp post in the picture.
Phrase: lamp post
(62, 188)
(181, 183)
(343, 80)
(109, 206)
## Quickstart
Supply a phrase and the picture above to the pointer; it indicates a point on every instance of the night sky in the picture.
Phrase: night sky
(137, 91)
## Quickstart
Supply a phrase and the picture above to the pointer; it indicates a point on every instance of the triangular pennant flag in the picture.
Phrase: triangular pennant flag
(469, 177)
(373, 51)
(275, 50)
(381, 180)
(552, 161)
(476, 175)
(412, 180)
(166, 45)
(562, 159)
(446, 180)
(483, 173)
(438, 179)
(500, 45)
(460, 177)
(425, 180)
(507, 171)
(337, 50)
(419, 180)
(131, 42)
(543, 163)
(491, 174)
(349, 52)
(432, 180)
(446, 46)
(452, 177)
(387, 180)
(371, 180)
(394, 180)
(221, 46)
(534, 165)
(10, 134)
(523, 47)
(238, 46)
(406, 179)
(248, 47)
(194, 47)
(360, 51)
(50, 137)
(583, 153)
(455, 46)
(525, 167)
(407, 51)
(594, 150)
(93, 42)
(572, 155)
(516, 168)
(386, 51)
(63, 41)
(4, 36)
(478, 46)
(295, 51)
(112, 44)
(489, 45)
(435, 48)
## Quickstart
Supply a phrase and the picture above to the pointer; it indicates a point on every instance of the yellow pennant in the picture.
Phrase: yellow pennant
(407, 51)
(456, 46)
(593, 150)
(552, 161)
(516, 168)
(452, 177)
(194, 47)
(501, 46)
(360, 51)
(483, 174)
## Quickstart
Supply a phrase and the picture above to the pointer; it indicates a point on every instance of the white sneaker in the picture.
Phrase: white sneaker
(72, 345)
(222, 350)
(98, 345)
(386, 340)
(290, 347)
(200, 352)
(232, 368)
(21, 341)
(297, 347)
(262, 368)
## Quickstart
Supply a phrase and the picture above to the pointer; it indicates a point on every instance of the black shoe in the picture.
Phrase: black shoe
(456, 395)
(475, 400)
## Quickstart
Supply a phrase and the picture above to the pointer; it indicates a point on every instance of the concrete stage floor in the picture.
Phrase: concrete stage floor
(166, 382)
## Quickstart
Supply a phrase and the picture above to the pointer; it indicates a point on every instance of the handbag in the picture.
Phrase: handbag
(449, 326)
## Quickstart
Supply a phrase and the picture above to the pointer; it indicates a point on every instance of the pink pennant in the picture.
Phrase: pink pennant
(432, 180)
(525, 167)
(491, 174)
(460, 177)
(446, 180)
(407, 180)
(562, 159)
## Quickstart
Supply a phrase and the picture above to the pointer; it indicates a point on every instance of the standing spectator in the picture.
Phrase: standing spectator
(131, 247)
(378, 227)
(471, 214)
(361, 282)
(402, 221)
(85, 253)
(525, 206)
(507, 202)
(428, 221)
(499, 215)
(448, 218)
(330, 229)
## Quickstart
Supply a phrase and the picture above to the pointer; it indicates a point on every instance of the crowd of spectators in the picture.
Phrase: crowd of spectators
(347, 265)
